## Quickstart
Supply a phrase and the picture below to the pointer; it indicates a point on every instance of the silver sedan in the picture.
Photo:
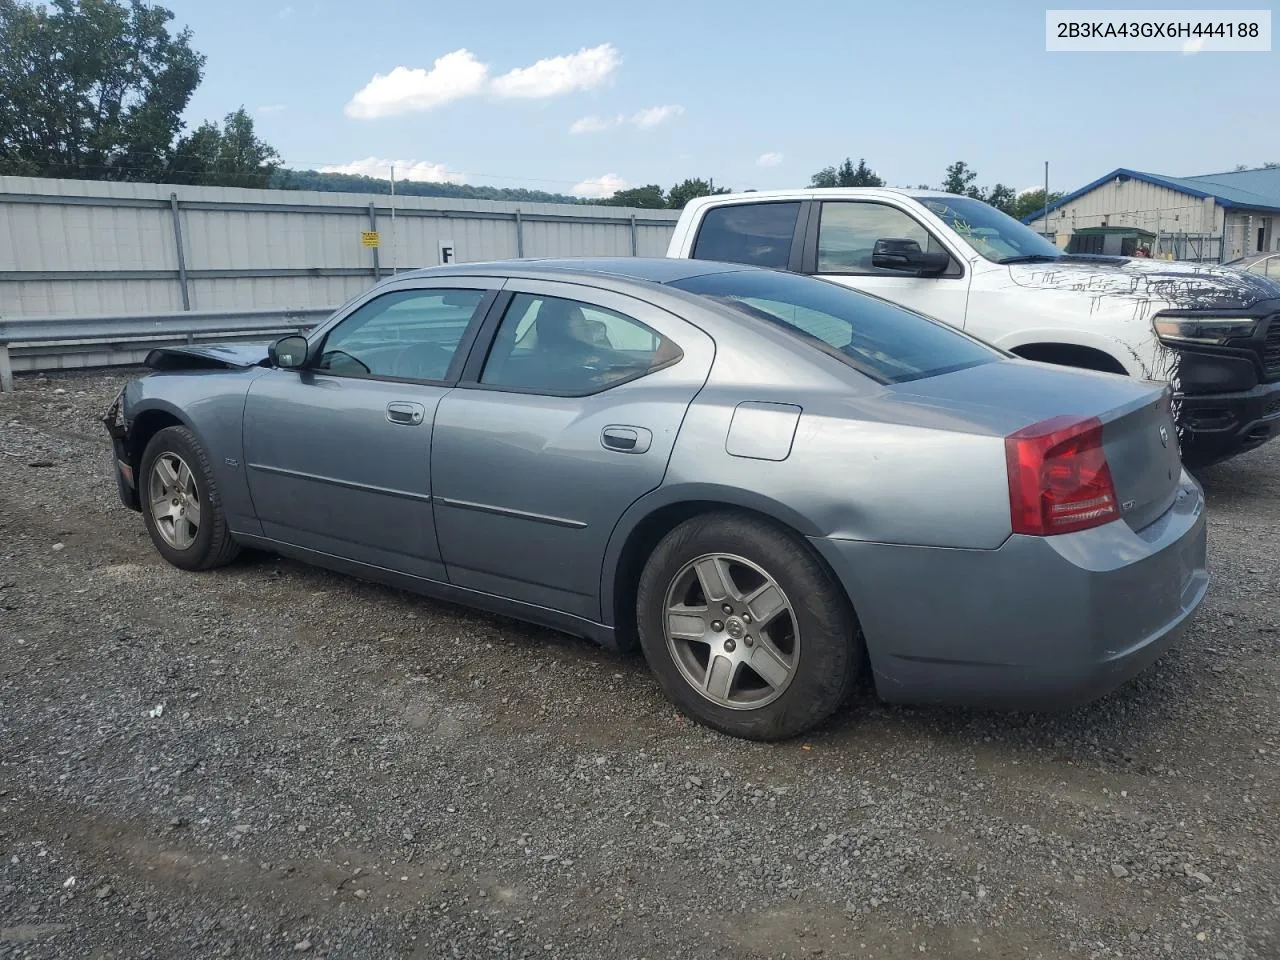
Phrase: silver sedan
(767, 482)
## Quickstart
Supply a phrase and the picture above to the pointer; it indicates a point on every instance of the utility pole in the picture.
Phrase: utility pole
(395, 237)
(1046, 196)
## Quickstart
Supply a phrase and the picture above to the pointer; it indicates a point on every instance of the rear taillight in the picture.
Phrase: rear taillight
(1059, 480)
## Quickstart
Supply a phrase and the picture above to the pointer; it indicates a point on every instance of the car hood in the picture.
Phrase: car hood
(230, 356)
(1174, 284)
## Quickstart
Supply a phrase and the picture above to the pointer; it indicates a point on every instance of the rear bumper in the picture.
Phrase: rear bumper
(1040, 623)
(1217, 426)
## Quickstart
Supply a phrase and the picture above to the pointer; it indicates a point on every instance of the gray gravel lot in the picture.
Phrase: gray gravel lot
(270, 760)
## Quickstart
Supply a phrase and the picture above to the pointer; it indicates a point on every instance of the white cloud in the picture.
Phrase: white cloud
(405, 170)
(648, 117)
(270, 108)
(584, 70)
(1193, 46)
(285, 13)
(652, 116)
(594, 124)
(771, 159)
(453, 76)
(597, 187)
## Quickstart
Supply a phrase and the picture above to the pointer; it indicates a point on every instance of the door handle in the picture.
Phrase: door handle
(405, 412)
(625, 439)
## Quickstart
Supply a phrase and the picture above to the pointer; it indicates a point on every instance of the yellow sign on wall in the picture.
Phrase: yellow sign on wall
(369, 238)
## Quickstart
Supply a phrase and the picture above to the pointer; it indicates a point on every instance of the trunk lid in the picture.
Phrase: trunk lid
(1141, 445)
(1001, 398)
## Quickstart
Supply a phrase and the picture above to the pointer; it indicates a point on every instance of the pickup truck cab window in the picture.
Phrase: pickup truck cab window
(756, 233)
(848, 231)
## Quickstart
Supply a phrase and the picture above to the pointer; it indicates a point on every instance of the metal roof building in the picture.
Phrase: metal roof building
(1215, 216)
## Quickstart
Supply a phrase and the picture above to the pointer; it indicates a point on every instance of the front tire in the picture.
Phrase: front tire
(180, 502)
(744, 628)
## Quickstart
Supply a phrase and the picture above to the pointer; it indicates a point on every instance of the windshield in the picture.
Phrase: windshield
(995, 235)
(886, 342)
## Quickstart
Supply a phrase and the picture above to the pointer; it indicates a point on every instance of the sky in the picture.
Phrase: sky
(587, 98)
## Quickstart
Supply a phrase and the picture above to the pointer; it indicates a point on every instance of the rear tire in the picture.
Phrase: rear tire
(745, 629)
(180, 503)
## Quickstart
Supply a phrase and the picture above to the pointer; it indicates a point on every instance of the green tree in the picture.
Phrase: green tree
(846, 175)
(687, 190)
(92, 88)
(230, 157)
(650, 195)
(285, 179)
(1001, 197)
(1031, 202)
(959, 179)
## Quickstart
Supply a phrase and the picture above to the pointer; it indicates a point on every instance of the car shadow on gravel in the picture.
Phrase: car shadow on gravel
(272, 567)
(1114, 731)
(1110, 730)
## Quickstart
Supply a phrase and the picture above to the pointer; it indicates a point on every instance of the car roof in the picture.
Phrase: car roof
(815, 193)
(660, 270)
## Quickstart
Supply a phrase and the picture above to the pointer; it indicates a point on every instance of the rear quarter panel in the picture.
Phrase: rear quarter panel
(850, 474)
(211, 404)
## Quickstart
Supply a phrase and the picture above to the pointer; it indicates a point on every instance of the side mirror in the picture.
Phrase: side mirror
(899, 253)
(288, 353)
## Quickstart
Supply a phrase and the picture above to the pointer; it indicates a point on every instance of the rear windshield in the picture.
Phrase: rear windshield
(884, 341)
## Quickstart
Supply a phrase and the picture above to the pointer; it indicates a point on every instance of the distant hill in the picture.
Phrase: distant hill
(283, 179)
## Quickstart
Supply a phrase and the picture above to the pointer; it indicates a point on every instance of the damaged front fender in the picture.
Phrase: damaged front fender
(118, 430)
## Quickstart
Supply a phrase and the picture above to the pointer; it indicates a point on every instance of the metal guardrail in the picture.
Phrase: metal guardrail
(63, 343)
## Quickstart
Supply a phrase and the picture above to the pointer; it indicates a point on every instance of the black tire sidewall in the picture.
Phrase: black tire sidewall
(829, 640)
(181, 441)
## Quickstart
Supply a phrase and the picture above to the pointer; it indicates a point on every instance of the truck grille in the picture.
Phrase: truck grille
(1271, 348)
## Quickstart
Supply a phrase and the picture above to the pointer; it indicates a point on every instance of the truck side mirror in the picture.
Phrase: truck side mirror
(900, 253)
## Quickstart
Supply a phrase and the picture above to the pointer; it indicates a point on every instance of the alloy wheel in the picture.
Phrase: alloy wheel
(175, 500)
(731, 631)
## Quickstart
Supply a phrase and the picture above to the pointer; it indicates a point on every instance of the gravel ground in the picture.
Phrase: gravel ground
(270, 760)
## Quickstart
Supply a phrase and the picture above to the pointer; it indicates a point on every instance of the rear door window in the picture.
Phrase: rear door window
(756, 233)
(566, 348)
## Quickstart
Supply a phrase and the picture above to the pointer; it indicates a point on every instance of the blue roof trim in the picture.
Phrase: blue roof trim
(1180, 184)
(1118, 172)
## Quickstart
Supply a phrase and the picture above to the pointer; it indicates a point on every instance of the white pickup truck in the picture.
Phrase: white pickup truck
(1213, 332)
